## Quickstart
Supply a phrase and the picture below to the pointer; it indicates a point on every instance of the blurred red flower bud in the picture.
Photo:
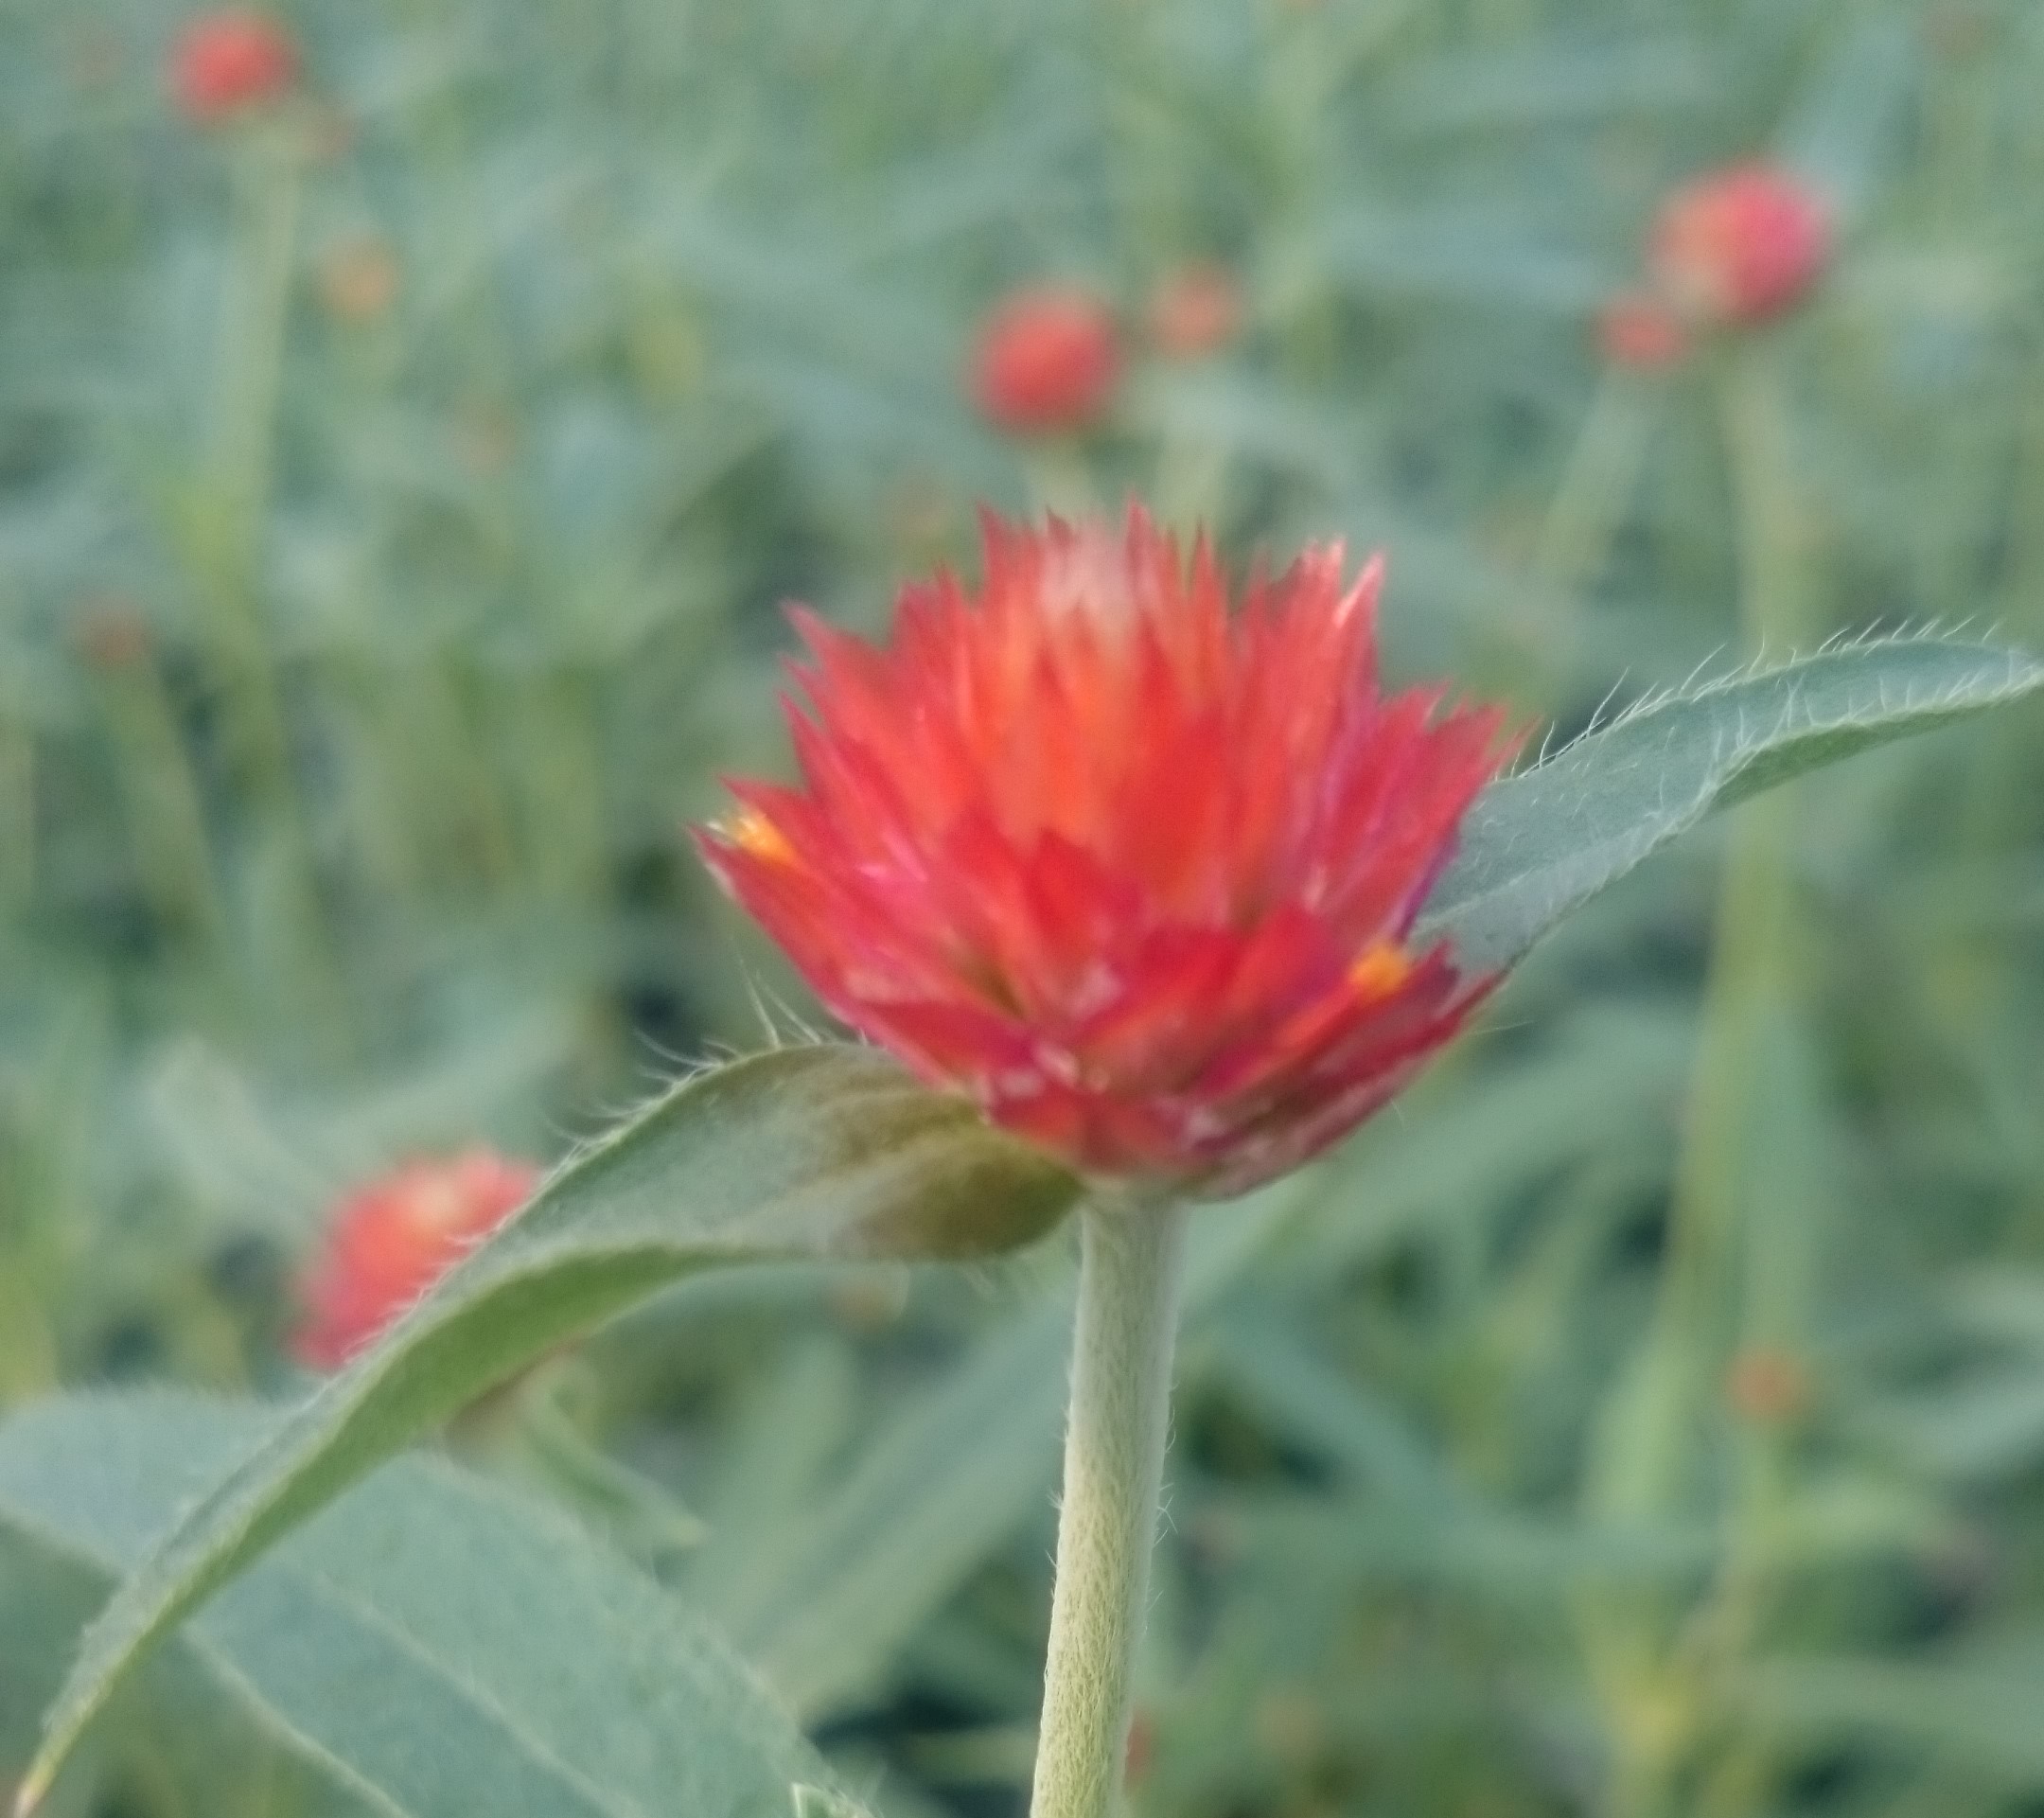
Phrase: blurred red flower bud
(230, 60)
(1768, 1385)
(1739, 245)
(1195, 311)
(111, 632)
(1046, 359)
(391, 1240)
(358, 279)
(1638, 330)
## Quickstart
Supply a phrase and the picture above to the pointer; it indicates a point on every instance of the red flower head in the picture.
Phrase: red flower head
(1046, 359)
(1195, 311)
(1136, 872)
(1639, 331)
(391, 1239)
(1740, 245)
(230, 60)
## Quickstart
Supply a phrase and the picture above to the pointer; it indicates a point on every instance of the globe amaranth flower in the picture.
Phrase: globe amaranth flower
(391, 1239)
(1136, 870)
(230, 60)
(1739, 246)
(1046, 359)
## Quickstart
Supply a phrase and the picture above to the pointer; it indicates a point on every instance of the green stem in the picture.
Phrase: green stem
(18, 854)
(1657, 1421)
(169, 825)
(1597, 483)
(1537, 650)
(1131, 1259)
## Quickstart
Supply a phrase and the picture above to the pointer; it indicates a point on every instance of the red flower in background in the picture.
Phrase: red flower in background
(1740, 245)
(1195, 311)
(391, 1239)
(1136, 872)
(1046, 359)
(1638, 330)
(230, 60)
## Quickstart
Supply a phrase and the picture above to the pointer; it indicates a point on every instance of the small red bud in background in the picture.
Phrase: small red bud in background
(358, 279)
(229, 62)
(391, 1240)
(1638, 331)
(1195, 311)
(1768, 1385)
(1740, 245)
(1046, 359)
(110, 632)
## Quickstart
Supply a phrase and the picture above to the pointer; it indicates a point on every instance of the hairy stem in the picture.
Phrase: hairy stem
(1114, 1467)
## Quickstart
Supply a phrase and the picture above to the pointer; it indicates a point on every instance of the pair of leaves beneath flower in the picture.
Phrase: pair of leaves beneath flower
(831, 1152)
(537, 1675)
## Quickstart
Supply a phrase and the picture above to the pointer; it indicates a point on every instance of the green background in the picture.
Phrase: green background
(361, 669)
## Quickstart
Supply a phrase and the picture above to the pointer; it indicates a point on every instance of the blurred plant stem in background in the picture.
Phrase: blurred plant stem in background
(166, 823)
(28, 1349)
(220, 520)
(1190, 493)
(1659, 1669)
(1588, 506)
(17, 808)
(1060, 479)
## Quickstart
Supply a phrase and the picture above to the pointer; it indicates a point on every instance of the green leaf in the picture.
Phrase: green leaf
(1974, 1707)
(1541, 843)
(825, 1152)
(431, 1646)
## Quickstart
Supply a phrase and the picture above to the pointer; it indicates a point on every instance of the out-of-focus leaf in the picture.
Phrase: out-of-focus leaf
(1528, 85)
(430, 1645)
(1537, 844)
(1532, 1558)
(1476, 258)
(1977, 1708)
(1851, 121)
(804, 1152)
(1987, 1425)
(1465, 1141)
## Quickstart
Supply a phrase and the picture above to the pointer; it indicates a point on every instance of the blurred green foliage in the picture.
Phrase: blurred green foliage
(397, 497)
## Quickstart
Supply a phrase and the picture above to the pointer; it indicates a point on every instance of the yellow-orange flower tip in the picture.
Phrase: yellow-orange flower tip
(752, 832)
(1132, 865)
(390, 1241)
(1380, 969)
